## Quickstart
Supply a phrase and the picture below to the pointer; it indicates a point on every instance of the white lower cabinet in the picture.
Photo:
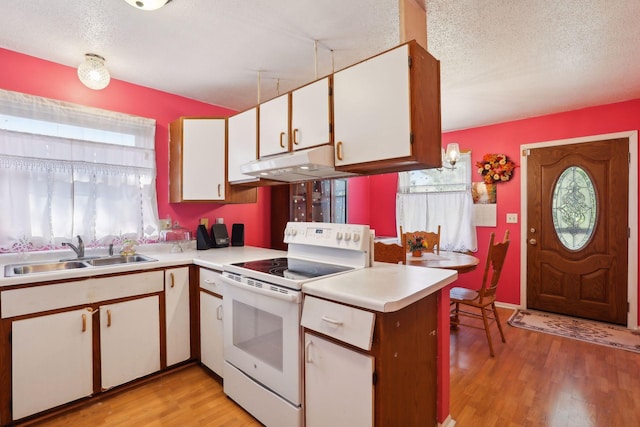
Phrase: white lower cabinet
(339, 387)
(178, 325)
(129, 340)
(52, 361)
(211, 333)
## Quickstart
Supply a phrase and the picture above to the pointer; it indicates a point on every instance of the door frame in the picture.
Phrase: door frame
(632, 275)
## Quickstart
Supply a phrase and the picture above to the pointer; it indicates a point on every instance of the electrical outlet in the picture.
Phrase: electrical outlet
(512, 218)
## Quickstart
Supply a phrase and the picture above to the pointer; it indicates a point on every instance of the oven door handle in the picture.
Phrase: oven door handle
(291, 297)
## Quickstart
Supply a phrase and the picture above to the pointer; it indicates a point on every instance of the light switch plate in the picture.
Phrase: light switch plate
(512, 218)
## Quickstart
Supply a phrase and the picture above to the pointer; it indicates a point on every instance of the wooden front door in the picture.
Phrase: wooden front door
(577, 230)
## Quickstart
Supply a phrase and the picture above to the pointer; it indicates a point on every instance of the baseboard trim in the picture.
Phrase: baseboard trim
(448, 422)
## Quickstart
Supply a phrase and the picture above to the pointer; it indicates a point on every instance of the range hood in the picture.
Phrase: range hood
(303, 165)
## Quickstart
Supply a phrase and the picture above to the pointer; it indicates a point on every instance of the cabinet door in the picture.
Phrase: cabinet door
(42, 378)
(178, 326)
(274, 126)
(129, 340)
(242, 143)
(211, 333)
(372, 103)
(310, 115)
(338, 385)
(203, 159)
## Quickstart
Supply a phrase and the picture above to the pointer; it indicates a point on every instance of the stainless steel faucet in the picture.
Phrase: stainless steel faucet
(79, 250)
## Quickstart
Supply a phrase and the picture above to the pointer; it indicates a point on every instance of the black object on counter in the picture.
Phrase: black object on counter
(203, 241)
(219, 236)
(237, 235)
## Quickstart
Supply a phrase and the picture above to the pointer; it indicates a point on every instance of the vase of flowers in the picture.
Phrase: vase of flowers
(495, 168)
(416, 245)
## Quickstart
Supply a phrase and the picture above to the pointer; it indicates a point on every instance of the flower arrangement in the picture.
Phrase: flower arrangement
(495, 168)
(417, 243)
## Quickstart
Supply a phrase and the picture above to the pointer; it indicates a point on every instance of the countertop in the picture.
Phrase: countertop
(211, 258)
(383, 287)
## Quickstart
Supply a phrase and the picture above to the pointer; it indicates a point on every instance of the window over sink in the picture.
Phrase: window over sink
(67, 170)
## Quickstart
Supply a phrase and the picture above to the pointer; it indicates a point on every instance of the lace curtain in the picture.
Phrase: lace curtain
(417, 209)
(68, 170)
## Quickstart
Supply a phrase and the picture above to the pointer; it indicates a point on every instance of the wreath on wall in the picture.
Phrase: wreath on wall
(495, 168)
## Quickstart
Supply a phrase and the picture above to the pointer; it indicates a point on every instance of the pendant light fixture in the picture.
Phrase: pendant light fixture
(147, 4)
(93, 73)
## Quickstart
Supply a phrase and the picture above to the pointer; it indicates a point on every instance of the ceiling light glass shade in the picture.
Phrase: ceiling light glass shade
(147, 4)
(93, 73)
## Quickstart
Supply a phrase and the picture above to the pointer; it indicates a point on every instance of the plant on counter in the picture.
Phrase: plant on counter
(417, 243)
(495, 168)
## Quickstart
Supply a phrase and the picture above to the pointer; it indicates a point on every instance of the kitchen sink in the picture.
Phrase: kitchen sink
(118, 259)
(20, 269)
(48, 267)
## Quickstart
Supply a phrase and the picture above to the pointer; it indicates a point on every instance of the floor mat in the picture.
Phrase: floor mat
(584, 330)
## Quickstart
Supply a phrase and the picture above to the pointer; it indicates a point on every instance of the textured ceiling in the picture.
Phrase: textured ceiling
(500, 59)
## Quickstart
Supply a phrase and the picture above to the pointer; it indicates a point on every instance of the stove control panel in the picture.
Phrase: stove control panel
(346, 236)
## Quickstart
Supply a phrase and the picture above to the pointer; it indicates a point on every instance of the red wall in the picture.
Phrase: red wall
(503, 138)
(26, 74)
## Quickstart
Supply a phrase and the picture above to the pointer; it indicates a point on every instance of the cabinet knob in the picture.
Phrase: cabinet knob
(339, 150)
(108, 318)
(219, 190)
(295, 136)
(282, 134)
(84, 322)
(173, 279)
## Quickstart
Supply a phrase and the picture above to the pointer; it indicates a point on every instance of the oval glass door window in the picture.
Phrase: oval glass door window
(574, 208)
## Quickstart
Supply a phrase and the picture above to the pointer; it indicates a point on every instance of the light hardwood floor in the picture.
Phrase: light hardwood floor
(534, 380)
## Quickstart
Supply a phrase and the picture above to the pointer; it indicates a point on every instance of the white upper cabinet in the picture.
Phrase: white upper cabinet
(197, 170)
(310, 115)
(274, 126)
(387, 112)
(243, 143)
(371, 105)
(198, 160)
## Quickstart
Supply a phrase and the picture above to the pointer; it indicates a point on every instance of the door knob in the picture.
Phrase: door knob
(532, 241)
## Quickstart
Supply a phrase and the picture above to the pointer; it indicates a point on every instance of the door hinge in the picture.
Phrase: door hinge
(374, 378)
(410, 62)
(411, 138)
(628, 307)
(628, 232)
(330, 90)
(526, 152)
(330, 128)
(10, 336)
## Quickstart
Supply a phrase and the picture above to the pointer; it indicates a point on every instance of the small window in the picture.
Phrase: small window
(438, 180)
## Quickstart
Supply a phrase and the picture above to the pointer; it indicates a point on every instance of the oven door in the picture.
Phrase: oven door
(262, 336)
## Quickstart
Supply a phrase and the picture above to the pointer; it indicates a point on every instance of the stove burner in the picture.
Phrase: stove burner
(291, 268)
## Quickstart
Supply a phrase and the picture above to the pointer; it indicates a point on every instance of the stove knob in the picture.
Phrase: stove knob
(356, 237)
(347, 237)
(293, 232)
(338, 236)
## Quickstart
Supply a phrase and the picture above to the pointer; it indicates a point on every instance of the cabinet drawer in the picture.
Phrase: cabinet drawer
(210, 280)
(50, 297)
(347, 324)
